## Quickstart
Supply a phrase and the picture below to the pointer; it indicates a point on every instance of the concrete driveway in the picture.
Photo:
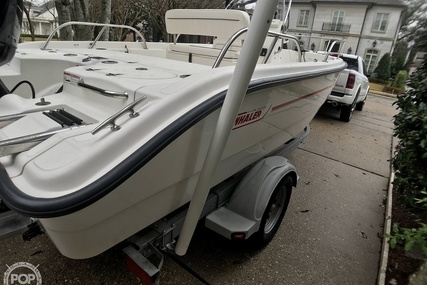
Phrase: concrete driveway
(330, 234)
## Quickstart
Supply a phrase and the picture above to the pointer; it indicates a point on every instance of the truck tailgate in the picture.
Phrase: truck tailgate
(341, 82)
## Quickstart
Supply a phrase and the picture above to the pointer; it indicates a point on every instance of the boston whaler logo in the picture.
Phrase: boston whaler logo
(71, 78)
(247, 118)
(22, 273)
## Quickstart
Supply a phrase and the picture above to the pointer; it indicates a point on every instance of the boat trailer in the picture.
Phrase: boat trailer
(224, 212)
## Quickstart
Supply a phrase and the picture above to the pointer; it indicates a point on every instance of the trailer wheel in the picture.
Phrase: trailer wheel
(274, 213)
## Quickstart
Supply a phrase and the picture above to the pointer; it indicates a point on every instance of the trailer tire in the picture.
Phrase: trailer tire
(274, 213)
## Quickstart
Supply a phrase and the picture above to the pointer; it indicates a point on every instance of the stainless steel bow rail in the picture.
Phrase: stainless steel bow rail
(276, 36)
(111, 121)
(92, 45)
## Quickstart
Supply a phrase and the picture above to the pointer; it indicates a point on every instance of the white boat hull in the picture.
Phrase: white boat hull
(145, 197)
(92, 190)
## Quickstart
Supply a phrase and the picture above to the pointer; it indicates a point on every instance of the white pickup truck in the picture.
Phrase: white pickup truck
(351, 89)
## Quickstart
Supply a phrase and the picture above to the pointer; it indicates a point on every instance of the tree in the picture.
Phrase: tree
(147, 14)
(415, 23)
(398, 58)
(154, 13)
(105, 17)
(64, 16)
(414, 28)
(74, 10)
(100, 12)
(30, 23)
(80, 12)
(50, 7)
(383, 67)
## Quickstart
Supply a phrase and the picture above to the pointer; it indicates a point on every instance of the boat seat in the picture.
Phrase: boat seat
(200, 22)
(199, 54)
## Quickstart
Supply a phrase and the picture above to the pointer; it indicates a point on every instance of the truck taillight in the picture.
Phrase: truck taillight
(350, 81)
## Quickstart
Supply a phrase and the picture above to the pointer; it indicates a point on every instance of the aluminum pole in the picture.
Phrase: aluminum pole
(242, 75)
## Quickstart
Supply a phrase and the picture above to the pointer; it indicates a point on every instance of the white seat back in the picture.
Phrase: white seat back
(218, 23)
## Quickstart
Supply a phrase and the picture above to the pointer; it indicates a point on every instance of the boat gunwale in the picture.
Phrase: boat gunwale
(38, 207)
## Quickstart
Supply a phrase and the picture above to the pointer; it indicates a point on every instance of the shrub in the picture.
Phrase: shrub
(393, 90)
(400, 80)
(410, 159)
(383, 67)
(415, 237)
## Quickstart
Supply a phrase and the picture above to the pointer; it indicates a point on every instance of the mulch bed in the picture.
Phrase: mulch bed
(400, 263)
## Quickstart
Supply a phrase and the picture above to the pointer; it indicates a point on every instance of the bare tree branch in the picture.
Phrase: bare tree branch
(30, 23)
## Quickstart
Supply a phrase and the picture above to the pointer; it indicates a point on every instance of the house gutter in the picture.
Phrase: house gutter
(312, 24)
(363, 26)
(397, 31)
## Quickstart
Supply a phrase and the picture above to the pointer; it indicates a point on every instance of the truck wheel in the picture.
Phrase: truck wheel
(360, 105)
(274, 213)
(346, 113)
(347, 110)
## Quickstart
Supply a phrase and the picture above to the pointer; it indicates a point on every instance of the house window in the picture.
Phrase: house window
(380, 23)
(337, 20)
(303, 18)
(332, 48)
(371, 57)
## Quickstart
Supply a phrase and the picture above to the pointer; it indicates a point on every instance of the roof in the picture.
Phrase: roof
(374, 2)
(40, 7)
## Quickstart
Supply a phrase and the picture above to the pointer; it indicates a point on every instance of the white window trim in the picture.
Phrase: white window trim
(307, 15)
(337, 23)
(379, 27)
(368, 63)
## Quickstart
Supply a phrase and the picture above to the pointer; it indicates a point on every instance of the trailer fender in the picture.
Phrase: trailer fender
(254, 191)
(245, 209)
